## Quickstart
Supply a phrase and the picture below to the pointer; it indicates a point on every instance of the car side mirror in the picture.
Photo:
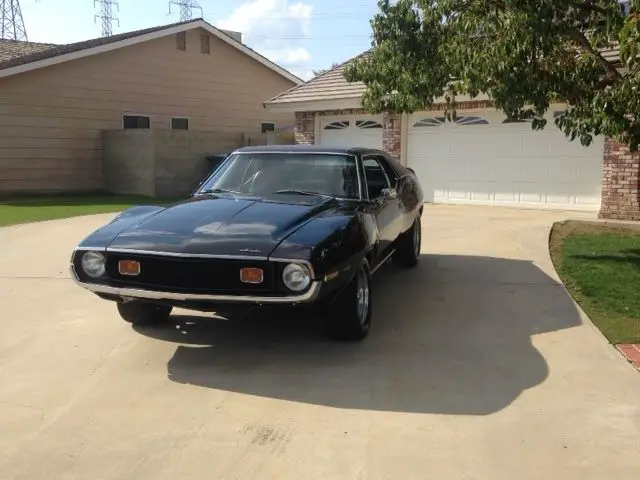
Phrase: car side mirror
(389, 193)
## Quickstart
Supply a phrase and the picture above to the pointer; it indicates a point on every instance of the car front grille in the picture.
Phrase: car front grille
(190, 275)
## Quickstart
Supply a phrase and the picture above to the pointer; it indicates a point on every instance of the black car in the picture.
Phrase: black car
(273, 225)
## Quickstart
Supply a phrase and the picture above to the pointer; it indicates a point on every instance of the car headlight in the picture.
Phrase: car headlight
(94, 264)
(296, 277)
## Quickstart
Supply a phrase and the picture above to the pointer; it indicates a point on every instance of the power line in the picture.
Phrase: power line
(186, 8)
(12, 27)
(106, 15)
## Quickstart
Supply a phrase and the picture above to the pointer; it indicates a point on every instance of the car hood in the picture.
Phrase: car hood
(222, 226)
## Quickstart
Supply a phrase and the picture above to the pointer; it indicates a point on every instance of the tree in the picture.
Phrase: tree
(324, 70)
(524, 54)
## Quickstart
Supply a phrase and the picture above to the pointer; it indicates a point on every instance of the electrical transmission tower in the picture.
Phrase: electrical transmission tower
(12, 27)
(186, 8)
(106, 15)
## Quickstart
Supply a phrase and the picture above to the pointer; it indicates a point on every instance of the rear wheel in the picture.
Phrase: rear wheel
(349, 315)
(408, 246)
(143, 314)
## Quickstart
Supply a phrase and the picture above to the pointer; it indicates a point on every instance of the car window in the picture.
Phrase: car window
(264, 174)
(392, 175)
(376, 177)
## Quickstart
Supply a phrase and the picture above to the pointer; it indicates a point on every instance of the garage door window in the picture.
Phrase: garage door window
(430, 122)
(368, 124)
(471, 120)
(337, 125)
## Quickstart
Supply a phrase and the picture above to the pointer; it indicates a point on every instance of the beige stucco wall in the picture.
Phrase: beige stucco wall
(51, 120)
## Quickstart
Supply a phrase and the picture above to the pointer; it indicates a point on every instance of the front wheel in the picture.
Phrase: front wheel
(408, 246)
(143, 314)
(349, 315)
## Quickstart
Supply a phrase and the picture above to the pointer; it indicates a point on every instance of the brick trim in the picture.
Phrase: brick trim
(620, 182)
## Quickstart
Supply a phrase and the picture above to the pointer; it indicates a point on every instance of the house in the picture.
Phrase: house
(482, 158)
(57, 101)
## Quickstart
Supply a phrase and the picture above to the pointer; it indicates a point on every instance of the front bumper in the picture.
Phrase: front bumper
(307, 297)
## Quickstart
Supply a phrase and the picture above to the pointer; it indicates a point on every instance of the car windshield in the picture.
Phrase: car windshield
(267, 174)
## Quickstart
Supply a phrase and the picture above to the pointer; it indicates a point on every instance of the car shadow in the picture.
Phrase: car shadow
(451, 336)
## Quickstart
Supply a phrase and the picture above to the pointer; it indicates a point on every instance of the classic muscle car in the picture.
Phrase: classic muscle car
(289, 226)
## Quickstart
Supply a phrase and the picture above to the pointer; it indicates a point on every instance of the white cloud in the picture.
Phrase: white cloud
(274, 28)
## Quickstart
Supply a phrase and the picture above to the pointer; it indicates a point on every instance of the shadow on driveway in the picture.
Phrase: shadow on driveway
(451, 336)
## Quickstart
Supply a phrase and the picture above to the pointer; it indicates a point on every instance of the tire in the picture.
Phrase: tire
(349, 315)
(143, 314)
(408, 246)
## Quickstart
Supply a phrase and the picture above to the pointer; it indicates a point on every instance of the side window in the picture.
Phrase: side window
(375, 176)
(388, 169)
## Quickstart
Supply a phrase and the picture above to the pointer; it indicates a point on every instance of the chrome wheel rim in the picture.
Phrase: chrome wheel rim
(416, 239)
(362, 297)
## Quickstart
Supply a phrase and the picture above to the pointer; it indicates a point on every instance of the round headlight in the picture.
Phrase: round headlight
(296, 277)
(93, 264)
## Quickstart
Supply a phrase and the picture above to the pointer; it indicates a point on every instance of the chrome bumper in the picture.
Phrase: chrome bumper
(305, 297)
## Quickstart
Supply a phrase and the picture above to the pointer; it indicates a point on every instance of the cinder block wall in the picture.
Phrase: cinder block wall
(168, 163)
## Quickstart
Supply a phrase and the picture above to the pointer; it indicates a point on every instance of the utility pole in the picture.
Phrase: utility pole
(186, 8)
(12, 27)
(106, 15)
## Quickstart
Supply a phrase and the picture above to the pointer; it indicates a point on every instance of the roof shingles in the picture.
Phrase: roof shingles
(330, 85)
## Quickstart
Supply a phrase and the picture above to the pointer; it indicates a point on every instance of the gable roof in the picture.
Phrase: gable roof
(17, 57)
(330, 85)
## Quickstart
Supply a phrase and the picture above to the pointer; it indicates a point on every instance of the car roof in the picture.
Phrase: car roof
(307, 149)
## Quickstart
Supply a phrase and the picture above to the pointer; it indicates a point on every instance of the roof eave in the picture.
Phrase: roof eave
(314, 105)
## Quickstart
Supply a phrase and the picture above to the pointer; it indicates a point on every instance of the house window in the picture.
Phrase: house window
(179, 123)
(266, 127)
(368, 124)
(135, 121)
(181, 41)
(430, 122)
(337, 125)
(205, 44)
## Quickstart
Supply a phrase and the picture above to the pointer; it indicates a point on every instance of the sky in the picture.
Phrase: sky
(299, 35)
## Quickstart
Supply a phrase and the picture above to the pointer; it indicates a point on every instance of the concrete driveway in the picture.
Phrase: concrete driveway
(479, 366)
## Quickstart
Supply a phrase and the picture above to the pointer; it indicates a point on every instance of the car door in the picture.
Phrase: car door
(384, 201)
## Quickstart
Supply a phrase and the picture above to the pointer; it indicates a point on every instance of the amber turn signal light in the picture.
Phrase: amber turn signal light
(251, 275)
(129, 267)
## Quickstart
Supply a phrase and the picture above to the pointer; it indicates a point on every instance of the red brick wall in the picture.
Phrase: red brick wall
(391, 134)
(620, 182)
(303, 128)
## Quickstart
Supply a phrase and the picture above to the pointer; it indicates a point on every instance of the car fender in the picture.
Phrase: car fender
(333, 244)
(103, 236)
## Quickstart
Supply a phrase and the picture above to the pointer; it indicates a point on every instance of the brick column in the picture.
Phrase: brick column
(620, 182)
(304, 128)
(391, 135)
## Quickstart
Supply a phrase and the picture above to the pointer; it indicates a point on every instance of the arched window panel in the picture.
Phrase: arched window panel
(368, 124)
(471, 120)
(430, 122)
(517, 120)
(337, 125)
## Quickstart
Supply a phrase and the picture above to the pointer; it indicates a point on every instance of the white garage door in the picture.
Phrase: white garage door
(485, 159)
(351, 132)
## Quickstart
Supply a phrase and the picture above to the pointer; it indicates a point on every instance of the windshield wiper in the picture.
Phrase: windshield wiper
(218, 190)
(301, 192)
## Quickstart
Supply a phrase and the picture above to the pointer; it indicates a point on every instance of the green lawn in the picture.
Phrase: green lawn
(26, 209)
(600, 265)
